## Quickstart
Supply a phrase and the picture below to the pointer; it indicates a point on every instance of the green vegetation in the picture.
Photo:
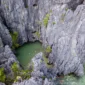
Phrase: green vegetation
(54, 23)
(50, 11)
(46, 62)
(62, 17)
(19, 74)
(39, 22)
(26, 6)
(66, 9)
(15, 69)
(43, 77)
(24, 74)
(48, 49)
(45, 20)
(14, 36)
(37, 34)
(2, 75)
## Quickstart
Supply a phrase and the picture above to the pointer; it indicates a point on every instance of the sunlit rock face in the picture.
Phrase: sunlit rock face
(66, 38)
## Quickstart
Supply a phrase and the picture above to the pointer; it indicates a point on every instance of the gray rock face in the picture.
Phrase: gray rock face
(67, 39)
(64, 36)
(7, 58)
(31, 81)
(84, 2)
(1, 44)
(34, 81)
(5, 35)
(47, 82)
(21, 19)
(2, 83)
(15, 16)
(38, 62)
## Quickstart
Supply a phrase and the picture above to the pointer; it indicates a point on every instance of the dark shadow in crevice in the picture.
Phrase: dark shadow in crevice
(25, 3)
(74, 3)
(3, 20)
(34, 5)
(0, 2)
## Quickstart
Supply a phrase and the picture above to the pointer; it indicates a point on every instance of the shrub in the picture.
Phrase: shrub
(62, 17)
(15, 68)
(37, 34)
(54, 23)
(66, 9)
(45, 20)
(2, 75)
(19, 74)
(14, 36)
(48, 49)
(24, 74)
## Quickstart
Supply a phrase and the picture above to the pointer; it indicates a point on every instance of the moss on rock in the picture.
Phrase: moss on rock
(14, 36)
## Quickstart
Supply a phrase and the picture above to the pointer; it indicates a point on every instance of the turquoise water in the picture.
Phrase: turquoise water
(26, 52)
(71, 80)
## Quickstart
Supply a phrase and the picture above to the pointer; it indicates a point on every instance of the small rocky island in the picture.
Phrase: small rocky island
(59, 28)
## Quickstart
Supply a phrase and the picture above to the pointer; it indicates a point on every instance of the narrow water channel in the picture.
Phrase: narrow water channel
(26, 52)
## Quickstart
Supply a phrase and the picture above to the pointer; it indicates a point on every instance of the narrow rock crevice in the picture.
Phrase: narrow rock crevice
(74, 3)
(25, 3)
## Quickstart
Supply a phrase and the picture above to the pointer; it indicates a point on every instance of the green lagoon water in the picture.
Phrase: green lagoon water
(26, 52)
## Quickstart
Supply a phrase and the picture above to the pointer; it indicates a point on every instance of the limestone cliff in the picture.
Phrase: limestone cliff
(59, 24)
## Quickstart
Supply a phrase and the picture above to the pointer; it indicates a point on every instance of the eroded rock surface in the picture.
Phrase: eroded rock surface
(59, 24)
(7, 58)
(2, 83)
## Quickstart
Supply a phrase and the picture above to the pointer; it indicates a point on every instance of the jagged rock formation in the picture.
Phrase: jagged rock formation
(58, 23)
(7, 58)
(40, 71)
(33, 81)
